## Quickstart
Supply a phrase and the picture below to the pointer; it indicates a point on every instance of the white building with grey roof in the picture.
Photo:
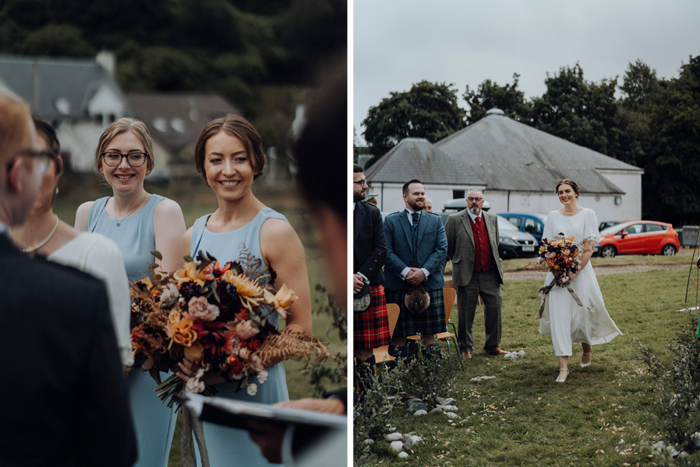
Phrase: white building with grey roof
(517, 166)
(442, 176)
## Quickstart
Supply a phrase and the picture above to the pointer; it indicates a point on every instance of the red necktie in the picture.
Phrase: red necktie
(478, 220)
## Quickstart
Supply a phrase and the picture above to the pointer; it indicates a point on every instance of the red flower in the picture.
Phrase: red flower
(237, 366)
(243, 315)
(254, 344)
(215, 270)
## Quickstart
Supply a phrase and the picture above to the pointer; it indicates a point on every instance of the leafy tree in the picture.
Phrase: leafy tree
(57, 39)
(672, 164)
(491, 95)
(428, 110)
(639, 86)
(579, 111)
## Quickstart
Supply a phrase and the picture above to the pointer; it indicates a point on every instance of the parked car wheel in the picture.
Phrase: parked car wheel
(608, 251)
(668, 250)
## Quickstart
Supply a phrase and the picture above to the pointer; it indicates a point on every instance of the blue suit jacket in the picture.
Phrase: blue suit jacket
(431, 249)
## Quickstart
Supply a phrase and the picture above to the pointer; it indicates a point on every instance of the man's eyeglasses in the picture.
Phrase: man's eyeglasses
(474, 200)
(43, 157)
(361, 183)
(134, 159)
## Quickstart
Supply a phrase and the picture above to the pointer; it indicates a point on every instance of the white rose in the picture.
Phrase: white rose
(252, 389)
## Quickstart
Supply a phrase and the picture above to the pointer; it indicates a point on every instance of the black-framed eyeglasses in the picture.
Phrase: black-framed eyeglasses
(134, 159)
(361, 182)
(44, 157)
(474, 200)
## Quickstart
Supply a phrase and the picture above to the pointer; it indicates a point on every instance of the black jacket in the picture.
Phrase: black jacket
(369, 243)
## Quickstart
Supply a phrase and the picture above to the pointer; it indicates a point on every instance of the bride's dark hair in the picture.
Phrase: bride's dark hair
(571, 183)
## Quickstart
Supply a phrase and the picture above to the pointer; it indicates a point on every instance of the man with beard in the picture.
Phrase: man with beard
(472, 245)
(416, 248)
(369, 248)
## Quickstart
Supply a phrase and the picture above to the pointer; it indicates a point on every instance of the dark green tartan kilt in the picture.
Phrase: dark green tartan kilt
(431, 321)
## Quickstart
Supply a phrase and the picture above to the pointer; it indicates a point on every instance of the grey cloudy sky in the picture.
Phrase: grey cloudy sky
(400, 42)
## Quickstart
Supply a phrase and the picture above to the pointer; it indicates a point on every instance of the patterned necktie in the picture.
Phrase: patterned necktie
(478, 220)
(414, 216)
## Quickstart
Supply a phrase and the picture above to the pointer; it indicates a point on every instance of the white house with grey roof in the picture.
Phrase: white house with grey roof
(79, 97)
(442, 176)
(517, 167)
(521, 165)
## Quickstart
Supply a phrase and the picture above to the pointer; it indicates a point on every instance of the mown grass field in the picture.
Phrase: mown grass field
(196, 200)
(601, 416)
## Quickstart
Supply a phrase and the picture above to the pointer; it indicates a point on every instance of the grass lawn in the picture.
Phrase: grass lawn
(602, 414)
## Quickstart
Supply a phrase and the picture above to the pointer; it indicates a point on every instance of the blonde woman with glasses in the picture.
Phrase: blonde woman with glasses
(139, 222)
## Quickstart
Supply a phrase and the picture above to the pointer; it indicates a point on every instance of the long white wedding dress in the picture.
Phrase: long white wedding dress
(567, 322)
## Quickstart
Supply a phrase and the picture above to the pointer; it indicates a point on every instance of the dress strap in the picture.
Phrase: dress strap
(97, 210)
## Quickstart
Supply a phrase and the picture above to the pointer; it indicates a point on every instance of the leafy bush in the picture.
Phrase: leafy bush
(383, 386)
(677, 380)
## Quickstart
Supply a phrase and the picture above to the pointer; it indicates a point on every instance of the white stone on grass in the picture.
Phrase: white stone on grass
(451, 414)
(403, 455)
(435, 410)
(659, 446)
(447, 407)
(444, 400)
(479, 378)
(416, 439)
(394, 437)
(418, 413)
(683, 454)
(369, 441)
(397, 445)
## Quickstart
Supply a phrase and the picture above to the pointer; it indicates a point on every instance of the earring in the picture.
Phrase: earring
(56, 191)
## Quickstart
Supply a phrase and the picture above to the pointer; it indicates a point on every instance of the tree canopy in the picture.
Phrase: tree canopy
(428, 110)
(645, 121)
(225, 46)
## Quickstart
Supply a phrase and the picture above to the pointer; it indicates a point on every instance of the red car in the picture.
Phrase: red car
(639, 238)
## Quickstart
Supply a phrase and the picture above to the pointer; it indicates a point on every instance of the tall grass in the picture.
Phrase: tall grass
(600, 416)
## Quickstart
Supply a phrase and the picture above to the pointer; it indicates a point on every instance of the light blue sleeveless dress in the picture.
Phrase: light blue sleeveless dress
(154, 422)
(230, 446)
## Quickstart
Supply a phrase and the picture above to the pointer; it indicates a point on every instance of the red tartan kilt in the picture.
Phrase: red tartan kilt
(372, 325)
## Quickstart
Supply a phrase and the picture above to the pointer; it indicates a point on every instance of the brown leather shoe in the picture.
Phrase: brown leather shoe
(497, 351)
(467, 354)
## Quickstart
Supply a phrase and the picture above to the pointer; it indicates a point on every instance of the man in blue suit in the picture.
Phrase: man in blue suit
(416, 250)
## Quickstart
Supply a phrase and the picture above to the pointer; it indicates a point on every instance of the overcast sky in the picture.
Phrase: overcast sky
(464, 42)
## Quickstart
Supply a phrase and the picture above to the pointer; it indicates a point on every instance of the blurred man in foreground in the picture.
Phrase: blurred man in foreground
(65, 403)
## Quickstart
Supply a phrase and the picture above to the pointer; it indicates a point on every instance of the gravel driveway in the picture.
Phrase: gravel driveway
(599, 271)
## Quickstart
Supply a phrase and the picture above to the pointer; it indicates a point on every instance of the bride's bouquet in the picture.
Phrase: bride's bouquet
(561, 256)
(216, 316)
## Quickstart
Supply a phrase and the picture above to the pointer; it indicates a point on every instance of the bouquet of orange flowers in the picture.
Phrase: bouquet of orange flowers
(216, 316)
(560, 256)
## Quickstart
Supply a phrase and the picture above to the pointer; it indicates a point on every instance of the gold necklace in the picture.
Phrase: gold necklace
(116, 217)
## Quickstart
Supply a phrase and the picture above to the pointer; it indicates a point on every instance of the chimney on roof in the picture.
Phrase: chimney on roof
(107, 60)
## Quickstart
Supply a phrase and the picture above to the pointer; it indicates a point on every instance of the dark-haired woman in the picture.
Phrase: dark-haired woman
(44, 233)
(563, 318)
(229, 156)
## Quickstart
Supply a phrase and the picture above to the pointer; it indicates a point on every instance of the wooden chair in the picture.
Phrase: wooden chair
(381, 354)
(450, 295)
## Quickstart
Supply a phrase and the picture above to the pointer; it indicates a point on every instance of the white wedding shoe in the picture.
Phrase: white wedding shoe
(584, 365)
(559, 378)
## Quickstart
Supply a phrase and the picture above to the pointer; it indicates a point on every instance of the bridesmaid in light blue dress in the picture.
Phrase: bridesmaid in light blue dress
(138, 222)
(229, 157)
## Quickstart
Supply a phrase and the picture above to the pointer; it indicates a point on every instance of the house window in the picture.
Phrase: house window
(457, 194)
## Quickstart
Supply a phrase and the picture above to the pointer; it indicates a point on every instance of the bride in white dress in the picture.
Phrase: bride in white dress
(563, 318)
